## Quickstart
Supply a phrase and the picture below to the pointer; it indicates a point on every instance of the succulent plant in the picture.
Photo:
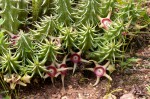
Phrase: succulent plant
(47, 6)
(9, 63)
(108, 50)
(129, 11)
(36, 9)
(48, 51)
(41, 8)
(88, 11)
(114, 32)
(46, 27)
(3, 43)
(36, 34)
(64, 11)
(87, 37)
(10, 14)
(36, 67)
(23, 12)
(24, 45)
(106, 6)
(68, 37)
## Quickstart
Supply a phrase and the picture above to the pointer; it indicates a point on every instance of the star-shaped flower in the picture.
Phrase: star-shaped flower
(14, 79)
(105, 22)
(13, 37)
(99, 71)
(54, 71)
(26, 78)
(76, 58)
(56, 41)
(63, 68)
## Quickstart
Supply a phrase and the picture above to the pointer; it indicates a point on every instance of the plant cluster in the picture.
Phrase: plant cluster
(40, 37)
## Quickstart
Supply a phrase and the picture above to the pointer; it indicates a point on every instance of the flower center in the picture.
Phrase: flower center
(52, 71)
(56, 42)
(75, 58)
(14, 36)
(124, 33)
(106, 22)
(99, 71)
(13, 39)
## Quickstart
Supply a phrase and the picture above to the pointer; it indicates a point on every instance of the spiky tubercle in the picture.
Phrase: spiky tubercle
(87, 38)
(3, 44)
(48, 51)
(114, 31)
(64, 11)
(88, 11)
(105, 7)
(9, 63)
(36, 67)
(36, 9)
(109, 49)
(68, 37)
(47, 27)
(47, 6)
(10, 14)
(24, 46)
(130, 11)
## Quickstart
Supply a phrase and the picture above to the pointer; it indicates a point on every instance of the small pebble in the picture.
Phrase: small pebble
(70, 86)
(127, 96)
(54, 95)
(64, 97)
(148, 11)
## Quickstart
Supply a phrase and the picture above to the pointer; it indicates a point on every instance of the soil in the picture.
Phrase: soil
(79, 86)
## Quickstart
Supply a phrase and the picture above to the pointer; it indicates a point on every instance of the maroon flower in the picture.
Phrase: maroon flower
(124, 33)
(105, 22)
(99, 71)
(14, 36)
(62, 69)
(75, 58)
(52, 71)
(13, 39)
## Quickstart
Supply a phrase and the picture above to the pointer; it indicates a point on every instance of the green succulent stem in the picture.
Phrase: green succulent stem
(48, 51)
(9, 63)
(36, 9)
(36, 67)
(10, 13)
(87, 11)
(87, 38)
(64, 11)
(68, 37)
